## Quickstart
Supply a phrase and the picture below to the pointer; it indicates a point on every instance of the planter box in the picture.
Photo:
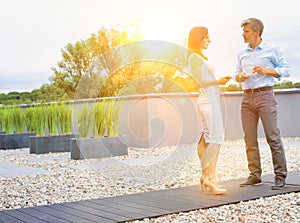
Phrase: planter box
(15, 141)
(49, 144)
(98, 147)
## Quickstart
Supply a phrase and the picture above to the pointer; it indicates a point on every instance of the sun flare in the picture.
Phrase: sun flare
(160, 28)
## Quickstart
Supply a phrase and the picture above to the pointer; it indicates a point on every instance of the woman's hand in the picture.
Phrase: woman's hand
(240, 77)
(223, 80)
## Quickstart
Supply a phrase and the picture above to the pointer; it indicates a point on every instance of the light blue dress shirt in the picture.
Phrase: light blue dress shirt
(266, 56)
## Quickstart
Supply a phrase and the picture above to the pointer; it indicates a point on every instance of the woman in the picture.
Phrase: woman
(212, 130)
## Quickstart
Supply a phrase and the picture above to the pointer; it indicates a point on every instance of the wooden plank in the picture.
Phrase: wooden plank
(171, 206)
(189, 191)
(135, 198)
(60, 214)
(81, 214)
(140, 211)
(123, 212)
(8, 219)
(95, 211)
(118, 203)
(175, 207)
(89, 204)
(42, 215)
(190, 195)
(237, 194)
(176, 201)
(132, 203)
(23, 216)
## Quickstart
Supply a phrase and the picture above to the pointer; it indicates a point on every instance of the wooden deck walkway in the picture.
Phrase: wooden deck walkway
(146, 205)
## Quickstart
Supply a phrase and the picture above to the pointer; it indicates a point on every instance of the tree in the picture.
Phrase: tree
(283, 85)
(78, 61)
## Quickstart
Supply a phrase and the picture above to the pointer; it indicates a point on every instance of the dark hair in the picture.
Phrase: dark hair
(197, 34)
(257, 25)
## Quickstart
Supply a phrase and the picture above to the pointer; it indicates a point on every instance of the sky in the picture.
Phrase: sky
(33, 32)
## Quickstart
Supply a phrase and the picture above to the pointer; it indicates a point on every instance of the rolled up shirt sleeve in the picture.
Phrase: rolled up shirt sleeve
(281, 65)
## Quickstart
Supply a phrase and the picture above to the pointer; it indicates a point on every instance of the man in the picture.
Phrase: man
(258, 102)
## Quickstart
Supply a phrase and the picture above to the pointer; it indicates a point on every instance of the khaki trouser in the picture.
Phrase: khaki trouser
(262, 105)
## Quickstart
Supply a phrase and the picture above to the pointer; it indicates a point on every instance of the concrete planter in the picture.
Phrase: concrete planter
(15, 141)
(47, 144)
(98, 147)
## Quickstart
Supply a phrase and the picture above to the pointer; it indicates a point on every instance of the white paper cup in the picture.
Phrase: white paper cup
(248, 70)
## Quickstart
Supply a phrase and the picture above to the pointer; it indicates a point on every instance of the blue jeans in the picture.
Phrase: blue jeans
(262, 105)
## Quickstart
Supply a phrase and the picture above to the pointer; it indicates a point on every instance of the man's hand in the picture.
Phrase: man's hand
(223, 80)
(266, 71)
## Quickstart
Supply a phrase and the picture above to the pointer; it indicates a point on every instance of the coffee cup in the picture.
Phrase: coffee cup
(248, 70)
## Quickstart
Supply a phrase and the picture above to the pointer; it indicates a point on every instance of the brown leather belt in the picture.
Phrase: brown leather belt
(251, 91)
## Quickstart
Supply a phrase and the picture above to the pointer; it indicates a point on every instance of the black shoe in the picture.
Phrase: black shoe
(278, 184)
(251, 181)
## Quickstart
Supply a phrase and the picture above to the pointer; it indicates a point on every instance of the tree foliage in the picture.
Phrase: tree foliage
(86, 70)
(77, 61)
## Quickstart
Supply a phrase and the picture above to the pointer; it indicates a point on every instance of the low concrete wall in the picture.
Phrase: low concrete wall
(158, 120)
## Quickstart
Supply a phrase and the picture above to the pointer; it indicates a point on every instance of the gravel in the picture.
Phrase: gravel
(147, 170)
